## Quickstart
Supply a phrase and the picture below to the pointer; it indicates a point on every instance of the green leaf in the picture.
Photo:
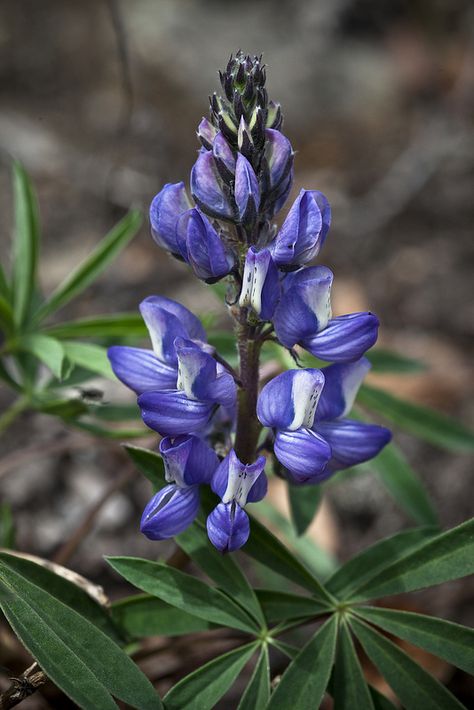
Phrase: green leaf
(306, 678)
(47, 349)
(6, 377)
(427, 424)
(304, 502)
(4, 287)
(109, 433)
(283, 606)
(91, 268)
(445, 639)
(7, 526)
(92, 357)
(286, 648)
(222, 569)
(414, 687)
(64, 591)
(6, 316)
(65, 408)
(404, 485)
(202, 689)
(267, 549)
(376, 558)
(383, 361)
(380, 701)
(350, 689)
(85, 663)
(182, 591)
(443, 558)
(148, 463)
(142, 615)
(257, 692)
(118, 325)
(25, 244)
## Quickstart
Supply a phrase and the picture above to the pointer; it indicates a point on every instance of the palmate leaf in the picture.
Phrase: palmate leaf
(267, 549)
(85, 663)
(376, 558)
(257, 692)
(304, 502)
(442, 558)
(88, 271)
(184, 592)
(427, 424)
(25, 244)
(305, 680)
(202, 689)
(143, 615)
(222, 569)
(404, 485)
(450, 641)
(414, 686)
(350, 690)
(284, 606)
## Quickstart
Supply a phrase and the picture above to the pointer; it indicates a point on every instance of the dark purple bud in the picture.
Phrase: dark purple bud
(228, 527)
(209, 258)
(207, 188)
(166, 208)
(224, 158)
(245, 140)
(247, 193)
(170, 512)
(206, 133)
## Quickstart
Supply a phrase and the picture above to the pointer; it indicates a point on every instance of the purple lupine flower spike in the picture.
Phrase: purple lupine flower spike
(204, 249)
(156, 369)
(236, 484)
(188, 461)
(303, 232)
(247, 193)
(166, 208)
(303, 316)
(260, 284)
(208, 189)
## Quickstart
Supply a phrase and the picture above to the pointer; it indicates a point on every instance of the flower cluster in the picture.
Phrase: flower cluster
(186, 392)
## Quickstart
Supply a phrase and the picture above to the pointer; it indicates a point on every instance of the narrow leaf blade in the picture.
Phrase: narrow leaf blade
(47, 349)
(306, 678)
(92, 357)
(257, 692)
(414, 686)
(284, 606)
(25, 244)
(117, 325)
(304, 503)
(453, 642)
(350, 689)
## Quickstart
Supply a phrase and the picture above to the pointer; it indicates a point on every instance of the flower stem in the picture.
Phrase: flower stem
(248, 426)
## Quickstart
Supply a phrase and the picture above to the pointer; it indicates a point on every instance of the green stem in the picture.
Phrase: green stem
(9, 416)
(248, 426)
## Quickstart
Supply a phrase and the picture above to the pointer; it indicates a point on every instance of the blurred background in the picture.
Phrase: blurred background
(100, 101)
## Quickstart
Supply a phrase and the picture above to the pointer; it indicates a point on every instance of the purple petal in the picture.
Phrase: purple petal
(300, 237)
(170, 512)
(171, 413)
(224, 157)
(234, 480)
(140, 369)
(165, 209)
(260, 283)
(207, 188)
(352, 442)
(345, 339)
(228, 527)
(206, 133)
(279, 156)
(203, 247)
(325, 207)
(305, 306)
(166, 320)
(342, 382)
(247, 193)
(198, 375)
(289, 401)
(280, 196)
(188, 460)
(304, 453)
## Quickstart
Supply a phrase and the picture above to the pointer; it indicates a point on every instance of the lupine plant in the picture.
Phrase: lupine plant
(228, 426)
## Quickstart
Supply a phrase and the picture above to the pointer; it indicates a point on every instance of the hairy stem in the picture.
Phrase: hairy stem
(248, 426)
